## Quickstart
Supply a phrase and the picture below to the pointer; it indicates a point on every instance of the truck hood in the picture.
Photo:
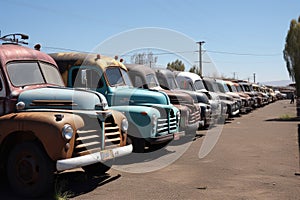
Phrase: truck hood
(234, 95)
(198, 97)
(62, 98)
(137, 96)
(177, 97)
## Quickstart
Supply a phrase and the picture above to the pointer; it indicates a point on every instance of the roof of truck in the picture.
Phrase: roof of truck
(190, 75)
(14, 52)
(138, 67)
(68, 59)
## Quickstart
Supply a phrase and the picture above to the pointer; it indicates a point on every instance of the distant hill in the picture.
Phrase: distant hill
(277, 83)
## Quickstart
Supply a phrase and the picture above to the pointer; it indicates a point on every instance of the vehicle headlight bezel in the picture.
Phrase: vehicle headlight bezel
(67, 132)
(124, 125)
(154, 119)
(178, 117)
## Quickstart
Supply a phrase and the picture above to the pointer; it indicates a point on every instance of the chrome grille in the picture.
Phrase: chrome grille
(167, 122)
(194, 115)
(89, 139)
(112, 134)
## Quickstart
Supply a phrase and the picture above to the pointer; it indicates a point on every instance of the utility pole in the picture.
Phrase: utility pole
(254, 77)
(200, 55)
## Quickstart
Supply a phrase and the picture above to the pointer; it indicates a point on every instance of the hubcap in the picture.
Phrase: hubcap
(27, 170)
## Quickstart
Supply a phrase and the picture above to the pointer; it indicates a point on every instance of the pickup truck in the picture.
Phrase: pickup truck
(47, 128)
(145, 77)
(166, 79)
(233, 105)
(193, 82)
(153, 120)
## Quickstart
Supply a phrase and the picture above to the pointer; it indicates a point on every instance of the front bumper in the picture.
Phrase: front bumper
(71, 163)
(165, 138)
(191, 128)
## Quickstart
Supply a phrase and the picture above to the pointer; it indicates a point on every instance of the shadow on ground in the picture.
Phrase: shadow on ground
(282, 119)
(66, 185)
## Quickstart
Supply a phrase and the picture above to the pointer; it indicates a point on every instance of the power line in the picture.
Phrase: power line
(172, 53)
(241, 54)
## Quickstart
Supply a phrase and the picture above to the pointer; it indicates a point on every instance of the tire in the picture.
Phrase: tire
(135, 138)
(138, 144)
(29, 169)
(98, 168)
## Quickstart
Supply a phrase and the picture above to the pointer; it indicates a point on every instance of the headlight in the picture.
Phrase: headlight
(124, 125)
(104, 104)
(178, 117)
(154, 120)
(67, 131)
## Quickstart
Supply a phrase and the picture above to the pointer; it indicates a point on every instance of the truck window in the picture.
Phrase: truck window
(22, 73)
(151, 80)
(31, 73)
(185, 84)
(138, 82)
(92, 78)
(172, 83)
(117, 76)
(51, 74)
(199, 85)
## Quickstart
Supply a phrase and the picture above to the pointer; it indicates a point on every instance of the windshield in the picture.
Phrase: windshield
(172, 83)
(199, 85)
(151, 80)
(212, 85)
(233, 88)
(184, 83)
(221, 87)
(247, 88)
(117, 76)
(239, 88)
(32, 73)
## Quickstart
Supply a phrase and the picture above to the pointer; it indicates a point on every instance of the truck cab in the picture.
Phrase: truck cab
(144, 77)
(226, 89)
(246, 99)
(248, 89)
(232, 105)
(152, 118)
(167, 81)
(193, 82)
(47, 128)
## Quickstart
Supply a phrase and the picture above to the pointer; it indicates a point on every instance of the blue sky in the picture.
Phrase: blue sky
(242, 36)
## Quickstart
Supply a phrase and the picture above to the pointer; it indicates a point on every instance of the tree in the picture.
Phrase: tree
(291, 54)
(176, 65)
(195, 70)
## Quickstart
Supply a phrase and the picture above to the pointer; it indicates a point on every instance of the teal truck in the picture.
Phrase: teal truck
(152, 118)
(145, 77)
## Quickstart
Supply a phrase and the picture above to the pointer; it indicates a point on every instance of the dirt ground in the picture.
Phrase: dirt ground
(256, 157)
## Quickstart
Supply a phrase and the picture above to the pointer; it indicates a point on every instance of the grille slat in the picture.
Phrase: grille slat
(87, 144)
(89, 139)
(112, 140)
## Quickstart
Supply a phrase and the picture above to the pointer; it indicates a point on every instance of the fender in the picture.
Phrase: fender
(46, 127)
(140, 117)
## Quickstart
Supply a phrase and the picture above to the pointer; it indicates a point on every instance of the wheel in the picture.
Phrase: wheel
(138, 144)
(29, 169)
(98, 168)
(135, 138)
